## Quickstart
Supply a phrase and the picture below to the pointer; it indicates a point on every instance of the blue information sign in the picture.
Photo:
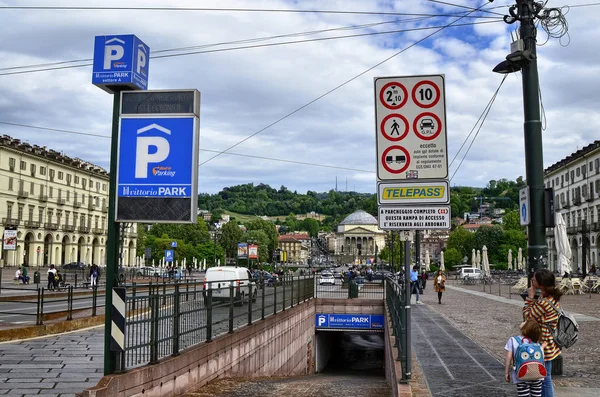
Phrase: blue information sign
(156, 157)
(173, 244)
(120, 61)
(168, 255)
(349, 321)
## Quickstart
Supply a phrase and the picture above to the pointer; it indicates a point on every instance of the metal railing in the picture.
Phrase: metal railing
(395, 299)
(358, 288)
(165, 319)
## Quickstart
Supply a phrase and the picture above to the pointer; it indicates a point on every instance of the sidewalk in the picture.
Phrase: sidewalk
(489, 320)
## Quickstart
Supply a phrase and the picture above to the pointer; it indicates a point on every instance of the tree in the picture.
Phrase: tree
(452, 258)
(270, 231)
(491, 237)
(231, 235)
(260, 238)
(461, 240)
(311, 226)
(511, 221)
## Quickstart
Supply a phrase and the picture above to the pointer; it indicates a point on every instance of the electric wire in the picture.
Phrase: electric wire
(336, 88)
(554, 23)
(243, 41)
(480, 125)
(462, 6)
(262, 46)
(202, 150)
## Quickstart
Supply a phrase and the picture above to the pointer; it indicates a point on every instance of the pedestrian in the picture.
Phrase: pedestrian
(414, 283)
(439, 284)
(25, 276)
(51, 277)
(94, 275)
(189, 269)
(541, 310)
(424, 278)
(19, 275)
(531, 331)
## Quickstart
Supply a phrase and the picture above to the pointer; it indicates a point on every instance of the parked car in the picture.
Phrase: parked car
(470, 272)
(74, 266)
(147, 271)
(337, 274)
(176, 274)
(326, 278)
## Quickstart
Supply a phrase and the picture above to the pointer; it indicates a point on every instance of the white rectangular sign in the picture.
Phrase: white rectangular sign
(413, 192)
(410, 126)
(426, 217)
(524, 206)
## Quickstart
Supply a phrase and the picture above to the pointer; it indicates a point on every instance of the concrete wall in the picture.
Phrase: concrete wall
(324, 340)
(280, 345)
(393, 368)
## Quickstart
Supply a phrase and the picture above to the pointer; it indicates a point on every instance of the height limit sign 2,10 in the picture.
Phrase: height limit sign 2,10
(410, 125)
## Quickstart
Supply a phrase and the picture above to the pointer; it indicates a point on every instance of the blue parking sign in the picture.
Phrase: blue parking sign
(168, 255)
(156, 157)
(120, 61)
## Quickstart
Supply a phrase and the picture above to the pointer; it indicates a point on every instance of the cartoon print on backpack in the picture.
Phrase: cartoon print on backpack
(529, 360)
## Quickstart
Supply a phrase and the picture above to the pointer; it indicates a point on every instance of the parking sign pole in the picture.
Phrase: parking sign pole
(112, 253)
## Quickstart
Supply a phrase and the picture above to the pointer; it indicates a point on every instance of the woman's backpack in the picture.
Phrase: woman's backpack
(529, 360)
(567, 330)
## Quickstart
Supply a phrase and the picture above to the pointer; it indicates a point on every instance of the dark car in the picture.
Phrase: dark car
(73, 266)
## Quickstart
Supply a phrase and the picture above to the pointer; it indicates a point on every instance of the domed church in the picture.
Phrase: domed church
(358, 238)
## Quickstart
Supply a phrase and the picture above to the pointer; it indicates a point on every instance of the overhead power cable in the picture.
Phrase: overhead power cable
(484, 114)
(266, 45)
(462, 6)
(202, 150)
(252, 40)
(337, 87)
(254, 10)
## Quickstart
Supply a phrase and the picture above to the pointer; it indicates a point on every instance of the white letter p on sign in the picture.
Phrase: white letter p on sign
(143, 156)
(141, 60)
(112, 53)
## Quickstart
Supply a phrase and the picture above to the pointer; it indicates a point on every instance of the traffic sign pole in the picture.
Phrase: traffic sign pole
(112, 252)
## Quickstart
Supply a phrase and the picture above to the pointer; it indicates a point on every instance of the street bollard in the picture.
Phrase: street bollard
(231, 309)
(208, 302)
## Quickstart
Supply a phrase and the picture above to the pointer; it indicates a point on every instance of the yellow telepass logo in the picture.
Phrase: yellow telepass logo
(414, 192)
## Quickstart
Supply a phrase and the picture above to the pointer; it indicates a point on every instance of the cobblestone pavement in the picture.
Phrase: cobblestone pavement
(490, 323)
(354, 385)
(59, 365)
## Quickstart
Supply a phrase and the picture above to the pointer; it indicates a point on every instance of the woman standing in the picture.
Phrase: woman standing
(542, 311)
(439, 284)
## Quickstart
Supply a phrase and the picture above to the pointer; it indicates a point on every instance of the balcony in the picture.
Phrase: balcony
(22, 194)
(43, 198)
(77, 204)
(32, 224)
(10, 221)
(51, 226)
(83, 229)
(98, 230)
(68, 228)
(61, 201)
(564, 204)
(91, 206)
(574, 230)
(132, 234)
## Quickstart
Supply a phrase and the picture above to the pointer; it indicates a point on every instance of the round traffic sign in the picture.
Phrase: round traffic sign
(393, 95)
(427, 126)
(392, 129)
(426, 94)
(399, 158)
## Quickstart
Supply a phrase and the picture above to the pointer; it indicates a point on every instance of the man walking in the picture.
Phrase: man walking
(414, 282)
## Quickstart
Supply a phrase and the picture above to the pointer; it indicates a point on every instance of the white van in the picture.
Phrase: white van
(220, 279)
(470, 272)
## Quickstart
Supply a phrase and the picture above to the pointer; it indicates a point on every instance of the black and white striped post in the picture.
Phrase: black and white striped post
(117, 328)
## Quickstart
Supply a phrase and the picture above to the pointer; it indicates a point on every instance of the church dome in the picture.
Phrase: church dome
(359, 217)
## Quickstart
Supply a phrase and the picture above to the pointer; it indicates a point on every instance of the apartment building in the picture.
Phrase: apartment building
(576, 183)
(58, 206)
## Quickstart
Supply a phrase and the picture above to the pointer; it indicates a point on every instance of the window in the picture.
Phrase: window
(96, 221)
(50, 191)
(31, 208)
(58, 216)
(23, 165)
(41, 190)
(40, 214)
(59, 193)
(42, 170)
(91, 184)
(69, 177)
(97, 185)
(578, 172)
(556, 181)
(597, 185)
(67, 216)
(9, 207)
(32, 188)
(567, 176)
(104, 187)
(572, 176)
(591, 166)
(76, 180)
(50, 213)
(11, 163)
(584, 190)
(597, 161)
(20, 215)
(84, 183)
(52, 172)
(21, 185)
(32, 168)
(82, 220)
(583, 170)
(60, 175)
(562, 197)
(103, 222)
(68, 195)
(562, 179)
(10, 183)
(82, 199)
(591, 189)
(75, 196)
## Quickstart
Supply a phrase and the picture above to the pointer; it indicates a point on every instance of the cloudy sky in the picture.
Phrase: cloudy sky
(308, 106)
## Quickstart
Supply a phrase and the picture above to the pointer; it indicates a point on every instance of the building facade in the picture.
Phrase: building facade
(358, 238)
(576, 183)
(58, 207)
(296, 247)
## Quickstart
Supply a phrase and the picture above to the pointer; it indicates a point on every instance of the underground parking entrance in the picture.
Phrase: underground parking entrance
(348, 344)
